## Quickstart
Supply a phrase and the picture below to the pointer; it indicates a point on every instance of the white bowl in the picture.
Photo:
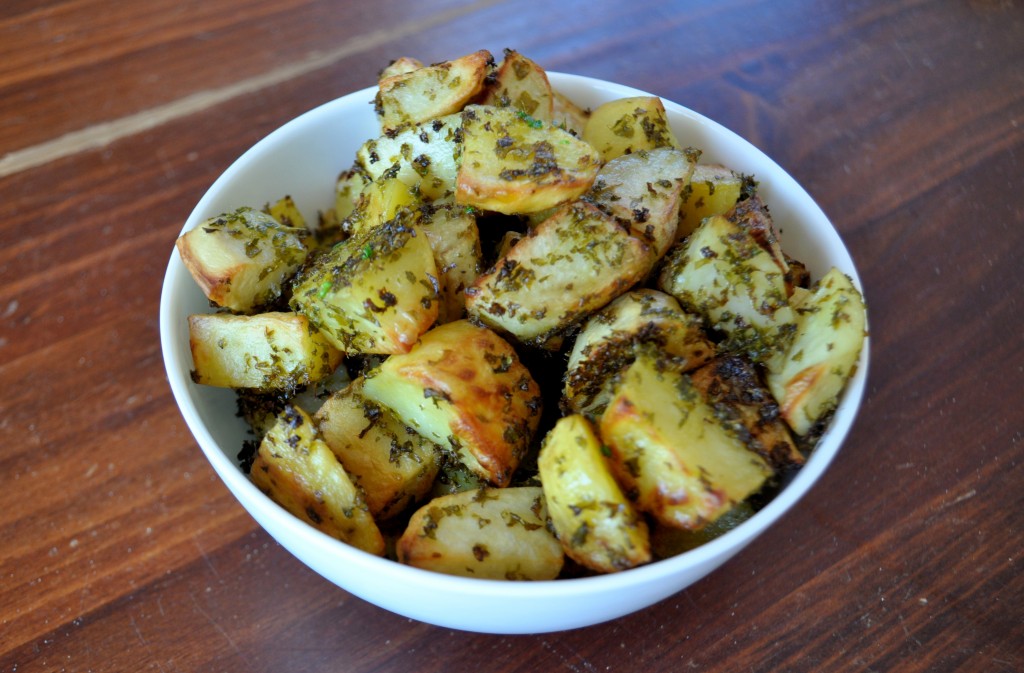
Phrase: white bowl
(303, 158)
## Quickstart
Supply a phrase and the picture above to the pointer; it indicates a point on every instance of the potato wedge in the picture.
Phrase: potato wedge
(731, 272)
(831, 328)
(392, 465)
(376, 292)
(670, 452)
(512, 163)
(423, 156)
(713, 190)
(485, 533)
(569, 266)
(627, 125)
(379, 202)
(433, 91)
(732, 387)
(286, 212)
(463, 387)
(597, 526)
(569, 116)
(267, 351)
(400, 66)
(455, 240)
(643, 190)
(298, 471)
(522, 85)
(241, 259)
(610, 339)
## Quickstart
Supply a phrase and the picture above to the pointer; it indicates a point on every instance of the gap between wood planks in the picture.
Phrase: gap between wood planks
(100, 135)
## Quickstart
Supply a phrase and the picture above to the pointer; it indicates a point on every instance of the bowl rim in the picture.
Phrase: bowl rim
(271, 516)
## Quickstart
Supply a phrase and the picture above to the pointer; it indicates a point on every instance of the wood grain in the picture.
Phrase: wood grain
(123, 552)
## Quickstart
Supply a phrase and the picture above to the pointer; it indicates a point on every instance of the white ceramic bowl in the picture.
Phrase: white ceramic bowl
(303, 158)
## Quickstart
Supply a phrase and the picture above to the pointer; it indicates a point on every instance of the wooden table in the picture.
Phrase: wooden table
(123, 552)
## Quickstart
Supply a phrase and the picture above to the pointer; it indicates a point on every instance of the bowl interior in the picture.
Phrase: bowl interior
(303, 159)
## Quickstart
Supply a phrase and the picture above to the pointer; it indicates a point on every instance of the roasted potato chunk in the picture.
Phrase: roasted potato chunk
(455, 240)
(463, 387)
(568, 115)
(391, 464)
(267, 351)
(713, 190)
(512, 163)
(629, 125)
(241, 259)
(610, 340)
(597, 526)
(485, 533)
(298, 471)
(400, 66)
(670, 452)
(522, 85)
(423, 94)
(830, 333)
(569, 266)
(732, 387)
(424, 156)
(376, 292)
(731, 272)
(643, 191)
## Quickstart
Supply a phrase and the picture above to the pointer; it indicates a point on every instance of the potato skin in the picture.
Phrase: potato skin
(464, 387)
(484, 533)
(299, 471)
(596, 524)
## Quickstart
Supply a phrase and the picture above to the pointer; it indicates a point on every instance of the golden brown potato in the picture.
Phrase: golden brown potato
(731, 272)
(670, 452)
(569, 266)
(267, 351)
(830, 331)
(643, 191)
(732, 387)
(433, 91)
(392, 465)
(485, 533)
(629, 125)
(596, 524)
(298, 471)
(241, 259)
(512, 163)
(521, 84)
(373, 293)
(611, 338)
(463, 387)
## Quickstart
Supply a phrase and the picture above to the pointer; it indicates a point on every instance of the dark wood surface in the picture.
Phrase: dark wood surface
(121, 550)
